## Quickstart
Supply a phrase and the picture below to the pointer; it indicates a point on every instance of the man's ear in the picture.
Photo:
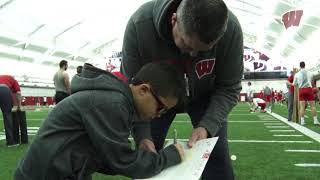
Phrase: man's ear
(143, 88)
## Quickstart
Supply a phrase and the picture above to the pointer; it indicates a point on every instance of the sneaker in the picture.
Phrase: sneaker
(302, 123)
(316, 122)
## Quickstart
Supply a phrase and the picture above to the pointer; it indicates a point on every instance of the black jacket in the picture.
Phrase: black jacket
(214, 75)
(88, 132)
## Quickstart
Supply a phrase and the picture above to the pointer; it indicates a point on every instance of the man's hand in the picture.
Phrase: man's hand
(197, 134)
(181, 151)
(14, 108)
(147, 145)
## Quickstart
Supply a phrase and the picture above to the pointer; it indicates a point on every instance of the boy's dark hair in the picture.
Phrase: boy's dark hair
(79, 69)
(163, 78)
(249, 83)
(302, 64)
(206, 18)
(63, 63)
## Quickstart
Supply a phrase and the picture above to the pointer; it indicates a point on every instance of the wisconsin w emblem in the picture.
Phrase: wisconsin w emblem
(204, 67)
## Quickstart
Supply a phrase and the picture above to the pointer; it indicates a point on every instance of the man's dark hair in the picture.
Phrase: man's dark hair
(163, 78)
(302, 64)
(63, 63)
(206, 18)
(79, 69)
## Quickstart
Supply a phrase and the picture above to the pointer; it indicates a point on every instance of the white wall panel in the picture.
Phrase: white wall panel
(28, 91)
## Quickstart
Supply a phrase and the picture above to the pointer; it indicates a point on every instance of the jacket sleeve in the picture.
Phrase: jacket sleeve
(229, 71)
(108, 128)
(131, 63)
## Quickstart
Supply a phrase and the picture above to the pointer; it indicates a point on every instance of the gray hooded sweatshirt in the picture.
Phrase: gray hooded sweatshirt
(214, 75)
(88, 132)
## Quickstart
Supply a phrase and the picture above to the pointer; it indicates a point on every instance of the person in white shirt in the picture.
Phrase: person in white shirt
(303, 81)
(258, 103)
(250, 93)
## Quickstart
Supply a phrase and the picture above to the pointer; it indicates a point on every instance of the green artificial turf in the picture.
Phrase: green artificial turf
(255, 161)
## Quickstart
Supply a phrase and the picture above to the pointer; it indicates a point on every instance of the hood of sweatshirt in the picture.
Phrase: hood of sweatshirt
(162, 12)
(93, 78)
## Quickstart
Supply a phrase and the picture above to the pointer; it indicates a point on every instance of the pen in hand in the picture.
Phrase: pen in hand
(178, 146)
(175, 136)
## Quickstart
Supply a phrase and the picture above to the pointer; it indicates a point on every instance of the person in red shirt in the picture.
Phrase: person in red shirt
(290, 95)
(9, 86)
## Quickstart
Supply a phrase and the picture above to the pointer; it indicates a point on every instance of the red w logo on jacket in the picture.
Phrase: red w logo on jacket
(204, 67)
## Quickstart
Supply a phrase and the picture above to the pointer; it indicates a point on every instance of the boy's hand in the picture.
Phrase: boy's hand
(147, 145)
(181, 151)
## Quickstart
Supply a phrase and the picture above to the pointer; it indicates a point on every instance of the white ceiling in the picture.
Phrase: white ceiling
(36, 34)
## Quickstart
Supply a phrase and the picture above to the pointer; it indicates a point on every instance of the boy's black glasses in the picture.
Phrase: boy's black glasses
(161, 109)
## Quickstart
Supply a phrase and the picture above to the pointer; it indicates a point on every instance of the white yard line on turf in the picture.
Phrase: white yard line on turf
(33, 127)
(248, 121)
(249, 141)
(307, 165)
(31, 119)
(168, 139)
(291, 130)
(273, 123)
(277, 127)
(32, 134)
(246, 114)
(32, 131)
(35, 119)
(262, 141)
(303, 150)
(287, 135)
(245, 110)
(302, 129)
(228, 121)
(269, 118)
(310, 110)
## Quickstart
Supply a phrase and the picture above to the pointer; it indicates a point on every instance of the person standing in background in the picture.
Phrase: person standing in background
(250, 94)
(61, 82)
(303, 80)
(267, 96)
(9, 85)
(290, 86)
(79, 70)
(45, 101)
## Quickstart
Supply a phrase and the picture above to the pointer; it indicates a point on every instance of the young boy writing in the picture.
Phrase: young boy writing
(88, 131)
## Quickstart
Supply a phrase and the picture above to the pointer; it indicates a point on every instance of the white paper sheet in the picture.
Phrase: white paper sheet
(193, 165)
